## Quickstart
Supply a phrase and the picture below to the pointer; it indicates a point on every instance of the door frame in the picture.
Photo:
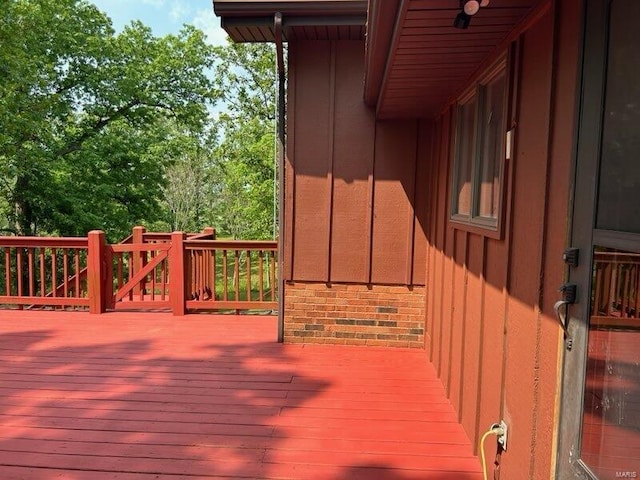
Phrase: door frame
(592, 83)
(590, 108)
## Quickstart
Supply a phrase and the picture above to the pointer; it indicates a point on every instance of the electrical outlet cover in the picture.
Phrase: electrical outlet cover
(502, 439)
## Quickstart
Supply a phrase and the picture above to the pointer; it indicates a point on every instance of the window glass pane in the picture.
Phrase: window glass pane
(466, 129)
(618, 202)
(491, 155)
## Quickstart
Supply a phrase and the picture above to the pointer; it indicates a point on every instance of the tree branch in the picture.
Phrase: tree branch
(76, 144)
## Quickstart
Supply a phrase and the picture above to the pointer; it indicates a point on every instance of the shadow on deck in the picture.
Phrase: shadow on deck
(153, 396)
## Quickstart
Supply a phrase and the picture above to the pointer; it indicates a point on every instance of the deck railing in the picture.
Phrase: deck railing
(43, 271)
(232, 274)
(616, 293)
(147, 270)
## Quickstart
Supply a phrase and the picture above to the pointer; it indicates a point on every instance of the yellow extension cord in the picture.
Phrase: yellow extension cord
(494, 430)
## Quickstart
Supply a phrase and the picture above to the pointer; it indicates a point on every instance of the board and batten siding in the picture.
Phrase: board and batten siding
(490, 327)
(355, 197)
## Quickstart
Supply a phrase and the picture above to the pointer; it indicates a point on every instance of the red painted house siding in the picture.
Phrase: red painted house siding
(491, 332)
(351, 195)
(355, 203)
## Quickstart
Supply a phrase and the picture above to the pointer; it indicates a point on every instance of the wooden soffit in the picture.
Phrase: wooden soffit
(252, 21)
(416, 66)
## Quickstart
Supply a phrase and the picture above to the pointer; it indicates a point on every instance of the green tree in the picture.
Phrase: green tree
(245, 79)
(187, 182)
(243, 155)
(82, 112)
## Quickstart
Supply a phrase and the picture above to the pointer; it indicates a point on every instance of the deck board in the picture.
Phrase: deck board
(152, 396)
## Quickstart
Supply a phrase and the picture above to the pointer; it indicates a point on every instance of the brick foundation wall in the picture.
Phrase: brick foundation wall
(354, 314)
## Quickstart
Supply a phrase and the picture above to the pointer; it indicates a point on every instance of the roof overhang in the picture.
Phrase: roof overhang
(381, 23)
(252, 21)
(415, 67)
(416, 61)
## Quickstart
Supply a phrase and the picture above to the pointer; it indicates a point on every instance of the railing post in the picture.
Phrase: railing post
(139, 259)
(137, 234)
(177, 274)
(210, 231)
(96, 271)
(208, 256)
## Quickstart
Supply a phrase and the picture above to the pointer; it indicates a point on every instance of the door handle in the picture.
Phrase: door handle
(563, 320)
(561, 307)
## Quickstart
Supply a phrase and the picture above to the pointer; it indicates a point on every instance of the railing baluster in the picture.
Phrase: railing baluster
(7, 270)
(19, 270)
(54, 271)
(147, 257)
(31, 279)
(65, 272)
(76, 273)
(202, 273)
(624, 300)
(43, 283)
(207, 272)
(629, 291)
(261, 275)
(163, 282)
(196, 279)
(130, 269)
(606, 287)
(272, 269)
(248, 275)
(236, 275)
(225, 275)
(153, 282)
(597, 300)
(119, 270)
(165, 276)
(191, 275)
(636, 290)
(160, 283)
(213, 275)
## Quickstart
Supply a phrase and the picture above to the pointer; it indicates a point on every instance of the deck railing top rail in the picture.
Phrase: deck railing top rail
(266, 245)
(44, 242)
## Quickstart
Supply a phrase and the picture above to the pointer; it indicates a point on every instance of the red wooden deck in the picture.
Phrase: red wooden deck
(152, 396)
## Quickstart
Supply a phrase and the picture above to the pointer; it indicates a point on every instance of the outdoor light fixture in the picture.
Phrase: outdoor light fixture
(471, 7)
(468, 9)
(462, 21)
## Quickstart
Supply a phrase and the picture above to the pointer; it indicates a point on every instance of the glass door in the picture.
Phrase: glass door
(611, 408)
(600, 415)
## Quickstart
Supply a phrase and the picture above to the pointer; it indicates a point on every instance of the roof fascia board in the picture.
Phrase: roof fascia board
(382, 19)
(294, 21)
(244, 8)
(393, 47)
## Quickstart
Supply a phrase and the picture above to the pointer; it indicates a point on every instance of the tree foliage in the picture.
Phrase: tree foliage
(243, 201)
(81, 111)
(106, 130)
(187, 187)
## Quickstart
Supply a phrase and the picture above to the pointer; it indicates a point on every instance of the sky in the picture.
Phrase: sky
(165, 16)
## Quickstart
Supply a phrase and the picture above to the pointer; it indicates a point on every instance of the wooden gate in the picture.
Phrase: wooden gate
(140, 276)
